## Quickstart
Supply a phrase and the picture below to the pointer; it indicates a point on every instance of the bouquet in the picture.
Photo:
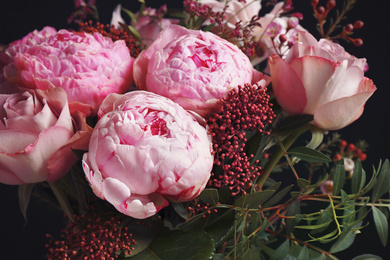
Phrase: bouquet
(206, 132)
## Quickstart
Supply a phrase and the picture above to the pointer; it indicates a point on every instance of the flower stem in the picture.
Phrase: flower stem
(279, 153)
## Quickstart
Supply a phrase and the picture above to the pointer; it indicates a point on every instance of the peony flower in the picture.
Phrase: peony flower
(37, 136)
(321, 79)
(236, 11)
(193, 68)
(144, 150)
(88, 67)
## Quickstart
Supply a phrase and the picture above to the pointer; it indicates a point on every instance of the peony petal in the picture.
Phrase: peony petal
(115, 191)
(142, 207)
(287, 86)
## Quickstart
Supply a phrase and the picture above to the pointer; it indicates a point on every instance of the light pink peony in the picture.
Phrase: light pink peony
(144, 150)
(88, 67)
(37, 135)
(193, 68)
(321, 79)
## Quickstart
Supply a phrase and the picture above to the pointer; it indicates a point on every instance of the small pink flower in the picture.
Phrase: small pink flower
(193, 68)
(321, 79)
(144, 150)
(38, 136)
(327, 187)
(88, 67)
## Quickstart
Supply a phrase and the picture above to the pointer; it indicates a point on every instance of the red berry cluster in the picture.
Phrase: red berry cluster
(91, 236)
(245, 109)
(201, 208)
(114, 34)
(349, 151)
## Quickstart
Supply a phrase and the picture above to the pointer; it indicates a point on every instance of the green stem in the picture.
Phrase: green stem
(61, 197)
(279, 153)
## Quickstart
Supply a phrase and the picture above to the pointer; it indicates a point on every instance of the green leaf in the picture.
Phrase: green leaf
(24, 193)
(130, 14)
(317, 135)
(304, 254)
(338, 178)
(325, 217)
(173, 245)
(294, 210)
(358, 178)
(253, 200)
(309, 155)
(221, 227)
(383, 184)
(316, 226)
(145, 231)
(281, 252)
(367, 257)
(381, 224)
(135, 32)
(293, 122)
(277, 197)
(345, 240)
(210, 196)
(302, 183)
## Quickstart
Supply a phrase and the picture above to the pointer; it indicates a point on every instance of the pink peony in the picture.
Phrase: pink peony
(88, 67)
(321, 79)
(37, 136)
(193, 68)
(144, 150)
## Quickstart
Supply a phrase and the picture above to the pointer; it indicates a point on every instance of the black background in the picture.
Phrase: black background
(17, 18)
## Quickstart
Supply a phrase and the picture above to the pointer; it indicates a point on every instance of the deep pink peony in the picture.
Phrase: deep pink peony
(88, 67)
(321, 79)
(144, 150)
(193, 68)
(37, 136)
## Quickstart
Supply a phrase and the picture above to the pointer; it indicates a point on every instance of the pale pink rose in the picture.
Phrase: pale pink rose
(88, 67)
(193, 68)
(321, 79)
(236, 11)
(38, 136)
(144, 151)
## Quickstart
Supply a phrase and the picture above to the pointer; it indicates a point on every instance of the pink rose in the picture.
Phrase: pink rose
(321, 79)
(144, 150)
(37, 136)
(88, 67)
(193, 68)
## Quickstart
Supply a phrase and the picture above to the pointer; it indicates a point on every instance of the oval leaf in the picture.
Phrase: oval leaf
(380, 224)
(367, 257)
(339, 178)
(309, 155)
(383, 185)
(254, 200)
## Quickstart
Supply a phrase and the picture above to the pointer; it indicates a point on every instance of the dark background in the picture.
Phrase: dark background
(17, 18)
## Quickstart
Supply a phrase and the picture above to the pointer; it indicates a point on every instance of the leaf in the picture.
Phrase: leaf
(221, 227)
(294, 210)
(253, 200)
(173, 245)
(135, 32)
(313, 227)
(358, 178)
(383, 184)
(367, 257)
(304, 254)
(381, 224)
(345, 240)
(325, 217)
(302, 183)
(24, 193)
(210, 196)
(338, 178)
(281, 251)
(277, 197)
(309, 155)
(145, 231)
(293, 122)
(317, 135)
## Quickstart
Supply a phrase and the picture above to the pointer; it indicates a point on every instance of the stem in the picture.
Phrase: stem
(62, 200)
(279, 153)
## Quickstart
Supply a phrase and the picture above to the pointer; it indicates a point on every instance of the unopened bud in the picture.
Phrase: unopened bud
(331, 4)
(349, 27)
(358, 24)
(358, 42)
(320, 10)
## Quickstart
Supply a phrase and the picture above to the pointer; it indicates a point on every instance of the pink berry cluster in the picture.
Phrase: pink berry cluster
(245, 109)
